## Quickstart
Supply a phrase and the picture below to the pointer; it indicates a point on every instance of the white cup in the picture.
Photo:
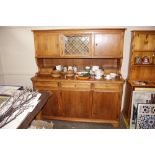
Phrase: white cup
(59, 67)
(70, 68)
(94, 68)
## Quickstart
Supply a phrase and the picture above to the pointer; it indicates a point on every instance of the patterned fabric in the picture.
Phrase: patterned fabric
(145, 116)
(76, 45)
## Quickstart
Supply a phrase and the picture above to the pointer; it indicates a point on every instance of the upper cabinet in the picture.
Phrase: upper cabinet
(142, 61)
(108, 44)
(76, 45)
(83, 43)
(46, 44)
(143, 41)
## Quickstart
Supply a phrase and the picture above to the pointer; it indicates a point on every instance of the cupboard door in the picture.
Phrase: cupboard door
(47, 44)
(76, 45)
(143, 42)
(106, 105)
(76, 103)
(108, 45)
(53, 106)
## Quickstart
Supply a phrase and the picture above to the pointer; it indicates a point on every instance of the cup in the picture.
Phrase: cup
(58, 67)
(94, 68)
(70, 68)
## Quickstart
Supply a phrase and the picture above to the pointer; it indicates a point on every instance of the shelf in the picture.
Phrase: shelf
(144, 65)
(145, 51)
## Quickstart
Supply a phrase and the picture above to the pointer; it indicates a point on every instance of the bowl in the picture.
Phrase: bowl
(69, 74)
(83, 77)
(55, 75)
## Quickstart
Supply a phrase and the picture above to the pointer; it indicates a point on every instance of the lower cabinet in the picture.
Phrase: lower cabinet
(97, 102)
(76, 103)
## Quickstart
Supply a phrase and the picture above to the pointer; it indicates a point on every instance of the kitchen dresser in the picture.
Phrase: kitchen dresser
(88, 100)
(141, 72)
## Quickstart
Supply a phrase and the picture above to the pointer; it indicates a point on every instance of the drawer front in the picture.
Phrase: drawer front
(109, 87)
(83, 85)
(46, 88)
(68, 85)
(49, 84)
(75, 85)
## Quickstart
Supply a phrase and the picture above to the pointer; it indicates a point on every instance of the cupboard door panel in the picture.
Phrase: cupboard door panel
(76, 103)
(108, 45)
(76, 45)
(47, 44)
(106, 105)
(52, 108)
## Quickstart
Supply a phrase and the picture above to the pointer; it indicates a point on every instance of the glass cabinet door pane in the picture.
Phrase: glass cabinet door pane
(77, 45)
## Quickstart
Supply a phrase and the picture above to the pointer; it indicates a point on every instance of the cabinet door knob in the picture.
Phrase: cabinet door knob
(96, 44)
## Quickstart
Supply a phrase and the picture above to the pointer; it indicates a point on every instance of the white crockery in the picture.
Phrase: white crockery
(113, 75)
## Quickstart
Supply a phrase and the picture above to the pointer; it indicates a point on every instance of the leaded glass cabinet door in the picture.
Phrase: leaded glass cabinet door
(79, 45)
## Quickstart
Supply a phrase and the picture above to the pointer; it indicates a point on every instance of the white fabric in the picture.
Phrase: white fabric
(19, 119)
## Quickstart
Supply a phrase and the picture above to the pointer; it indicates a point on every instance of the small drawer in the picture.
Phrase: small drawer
(83, 85)
(44, 88)
(113, 87)
(68, 85)
(49, 84)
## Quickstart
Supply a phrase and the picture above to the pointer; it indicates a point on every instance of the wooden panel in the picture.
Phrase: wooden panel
(151, 42)
(127, 103)
(105, 87)
(53, 106)
(83, 85)
(108, 45)
(143, 42)
(47, 44)
(68, 85)
(75, 85)
(76, 103)
(142, 73)
(46, 84)
(106, 105)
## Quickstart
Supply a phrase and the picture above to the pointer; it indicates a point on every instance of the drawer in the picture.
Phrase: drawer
(112, 87)
(76, 85)
(44, 88)
(68, 85)
(46, 83)
(83, 85)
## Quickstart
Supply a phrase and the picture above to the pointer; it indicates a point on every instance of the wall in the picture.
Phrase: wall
(1, 69)
(17, 55)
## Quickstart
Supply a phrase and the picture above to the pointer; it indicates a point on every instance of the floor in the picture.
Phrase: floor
(81, 125)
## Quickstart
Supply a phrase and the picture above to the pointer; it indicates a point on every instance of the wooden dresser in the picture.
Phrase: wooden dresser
(141, 68)
(80, 100)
